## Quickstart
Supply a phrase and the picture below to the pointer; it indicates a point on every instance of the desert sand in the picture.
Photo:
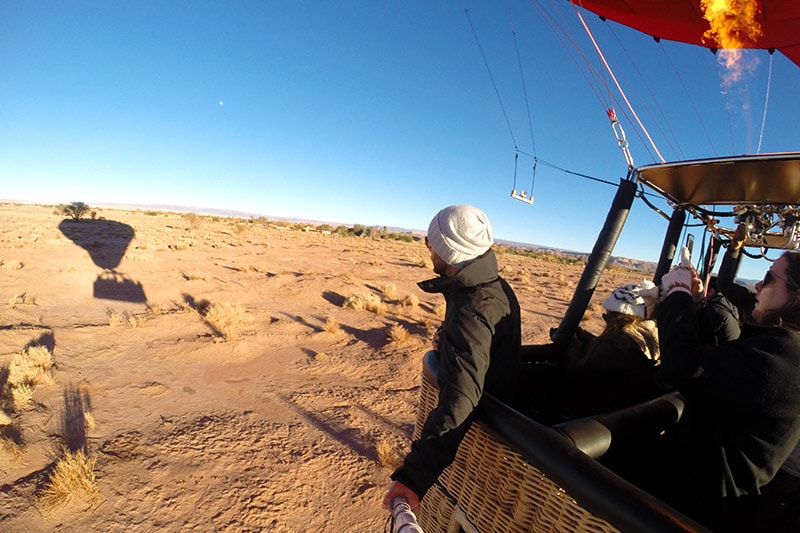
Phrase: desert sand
(289, 418)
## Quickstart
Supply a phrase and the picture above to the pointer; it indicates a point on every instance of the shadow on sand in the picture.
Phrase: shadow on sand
(106, 241)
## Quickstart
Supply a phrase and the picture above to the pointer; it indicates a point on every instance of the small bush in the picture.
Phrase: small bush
(410, 300)
(72, 477)
(21, 298)
(387, 455)
(389, 290)
(116, 318)
(398, 334)
(227, 320)
(31, 366)
(76, 210)
(332, 325)
(365, 301)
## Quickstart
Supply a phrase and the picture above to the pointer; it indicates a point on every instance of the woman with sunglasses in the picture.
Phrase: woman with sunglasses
(742, 415)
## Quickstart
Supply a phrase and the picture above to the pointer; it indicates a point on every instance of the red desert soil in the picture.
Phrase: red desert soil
(277, 427)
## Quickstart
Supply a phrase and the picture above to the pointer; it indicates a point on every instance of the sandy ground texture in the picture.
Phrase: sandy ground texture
(213, 372)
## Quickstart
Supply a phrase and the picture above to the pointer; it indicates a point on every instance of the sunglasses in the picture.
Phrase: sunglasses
(771, 276)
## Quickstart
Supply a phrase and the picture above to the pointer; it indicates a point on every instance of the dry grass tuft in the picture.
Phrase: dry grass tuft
(10, 451)
(428, 324)
(21, 298)
(523, 276)
(88, 418)
(398, 334)
(155, 309)
(389, 290)
(440, 308)
(227, 320)
(22, 395)
(31, 366)
(332, 325)
(350, 278)
(73, 477)
(387, 454)
(189, 276)
(410, 301)
(365, 302)
(425, 263)
(5, 420)
(125, 318)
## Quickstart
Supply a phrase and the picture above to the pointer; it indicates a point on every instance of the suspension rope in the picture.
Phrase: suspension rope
(491, 76)
(672, 137)
(766, 100)
(616, 83)
(689, 96)
(522, 77)
(569, 42)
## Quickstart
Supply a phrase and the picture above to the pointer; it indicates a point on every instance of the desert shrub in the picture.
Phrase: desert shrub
(332, 325)
(21, 298)
(410, 300)
(226, 319)
(523, 276)
(193, 219)
(189, 276)
(398, 334)
(76, 210)
(389, 290)
(387, 454)
(72, 477)
(27, 368)
(365, 301)
(22, 395)
(116, 318)
(10, 451)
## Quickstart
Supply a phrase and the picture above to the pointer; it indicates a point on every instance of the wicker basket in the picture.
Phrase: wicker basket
(520, 499)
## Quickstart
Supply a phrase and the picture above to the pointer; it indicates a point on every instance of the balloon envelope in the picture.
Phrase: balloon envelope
(683, 20)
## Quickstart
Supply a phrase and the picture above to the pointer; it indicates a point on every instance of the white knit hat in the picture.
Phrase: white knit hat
(632, 299)
(460, 233)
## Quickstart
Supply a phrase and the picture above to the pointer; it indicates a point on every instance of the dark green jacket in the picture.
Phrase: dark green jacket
(479, 344)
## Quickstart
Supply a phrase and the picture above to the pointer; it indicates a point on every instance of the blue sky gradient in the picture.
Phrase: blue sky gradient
(366, 112)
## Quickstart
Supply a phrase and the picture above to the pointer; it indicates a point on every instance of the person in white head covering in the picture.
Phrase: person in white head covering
(477, 345)
(618, 368)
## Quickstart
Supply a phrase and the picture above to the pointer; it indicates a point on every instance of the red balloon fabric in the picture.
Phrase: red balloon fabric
(685, 21)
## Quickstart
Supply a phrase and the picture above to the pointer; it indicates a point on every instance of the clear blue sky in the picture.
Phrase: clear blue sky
(367, 112)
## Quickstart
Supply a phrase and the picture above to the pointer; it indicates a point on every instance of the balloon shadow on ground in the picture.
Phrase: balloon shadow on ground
(106, 241)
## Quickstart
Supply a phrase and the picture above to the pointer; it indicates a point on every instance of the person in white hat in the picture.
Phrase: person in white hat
(477, 345)
(619, 367)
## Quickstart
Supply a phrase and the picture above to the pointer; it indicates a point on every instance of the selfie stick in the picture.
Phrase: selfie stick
(404, 520)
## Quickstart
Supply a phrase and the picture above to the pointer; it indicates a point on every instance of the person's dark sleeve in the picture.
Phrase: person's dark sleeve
(723, 319)
(726, 276)
(463, 361)
(679, 339)
(741, 297)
